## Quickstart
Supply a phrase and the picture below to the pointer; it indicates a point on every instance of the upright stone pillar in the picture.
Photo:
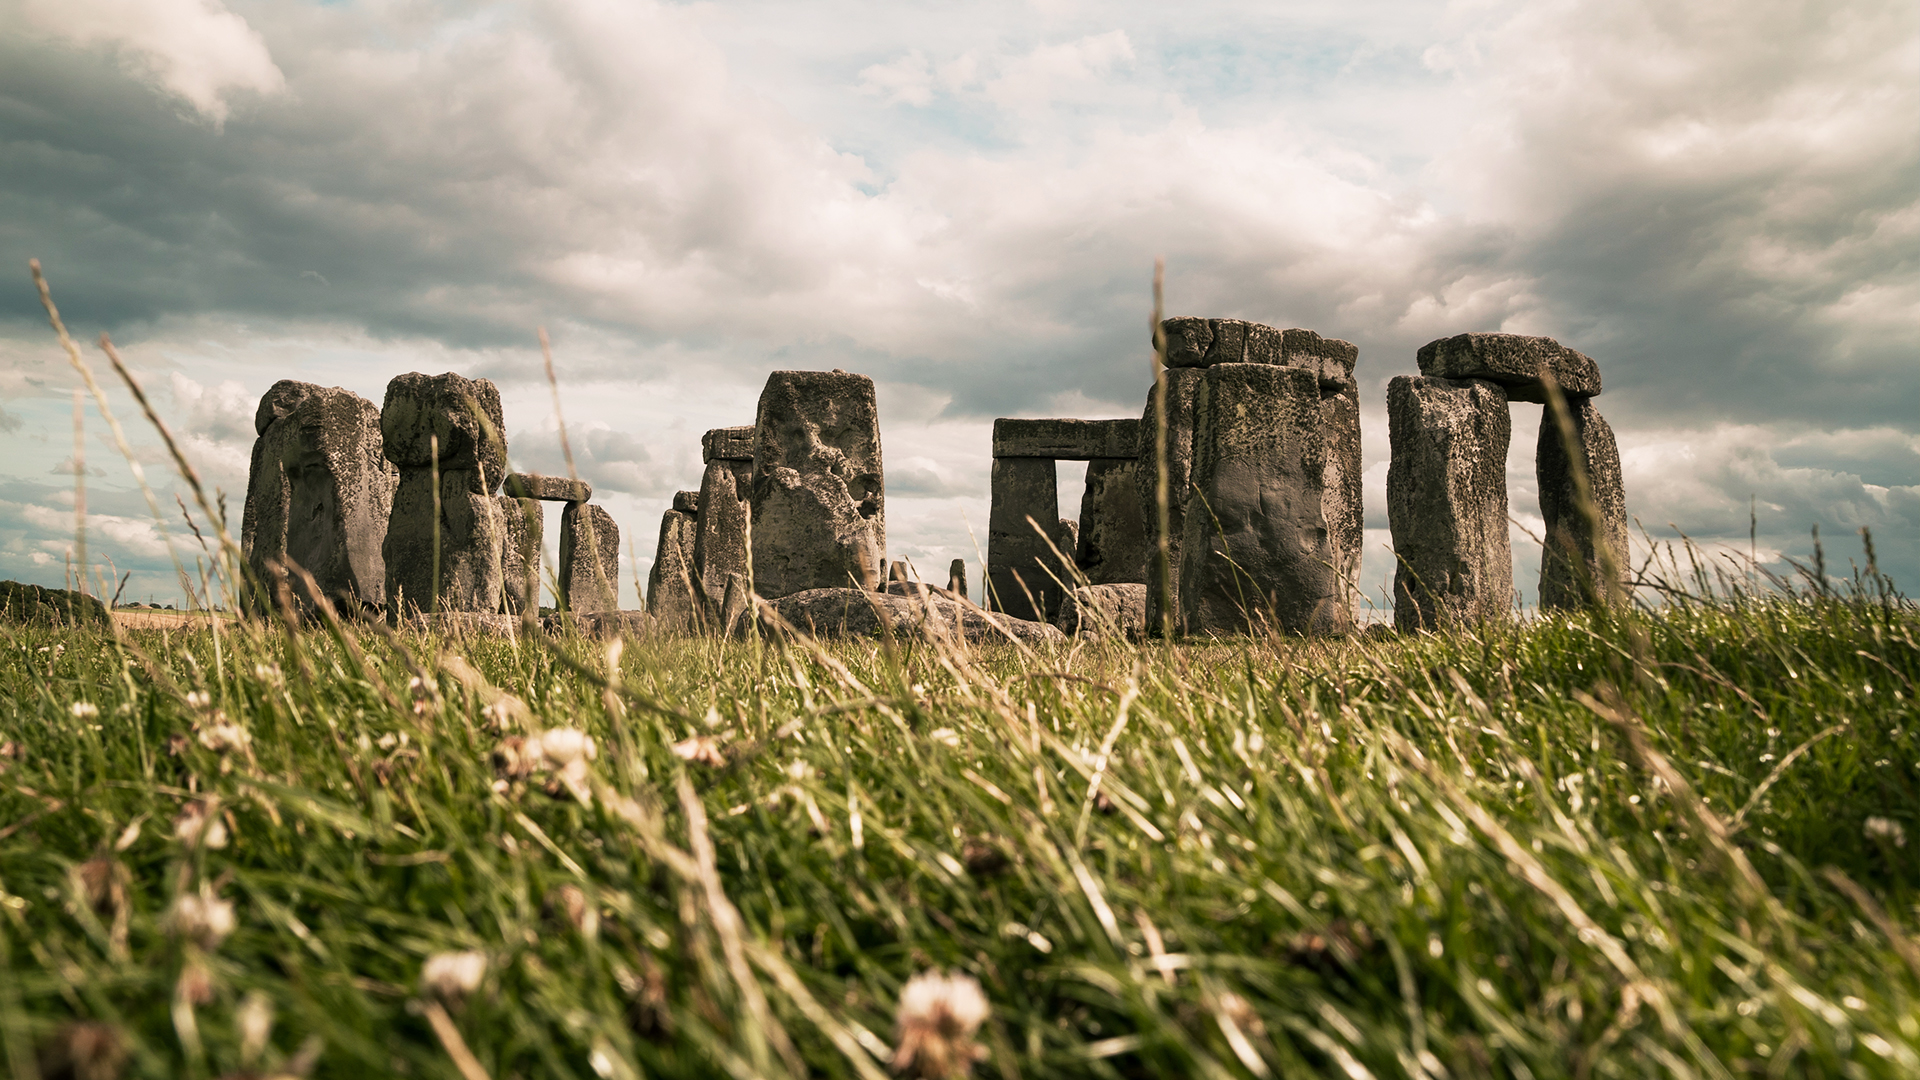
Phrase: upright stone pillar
(721, 531)
(1256, 553)
(1341, 499)
(674, 597)
(524, 531)
(1021, 567)
(1572, 573)
(1447, 501)
(1112, 548)
(957, 578)
(1183, 392)
(819, 496)
(464, 416)
(319, 492)
(589, 559)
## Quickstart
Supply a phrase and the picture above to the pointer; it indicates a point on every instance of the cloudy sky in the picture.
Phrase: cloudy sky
(1718, 200)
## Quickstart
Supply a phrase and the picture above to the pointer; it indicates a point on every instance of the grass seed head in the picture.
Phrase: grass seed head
(451, 976)
(935, 1024)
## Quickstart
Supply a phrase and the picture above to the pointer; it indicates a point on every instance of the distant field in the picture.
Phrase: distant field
(162, 619)
(1685, 844)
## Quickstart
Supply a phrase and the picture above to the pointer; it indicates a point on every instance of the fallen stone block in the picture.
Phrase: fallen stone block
(319, 493)
(1572, 572)
(589, 559)
(1066, 440)
(861, 613)
(1515, 361)
(547, 488)
(1105, 611)
(819, 497)
(1447, 502)
(1256, 555)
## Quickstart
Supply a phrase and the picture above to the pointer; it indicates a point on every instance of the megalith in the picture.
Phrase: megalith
(722, 528)
(674, 598)
(1112, 547)
(1572, 572)
(523, 532)
(1517, 362)
(819, 497)
(452, 424)
(1024, 531)
(1256, 553)
(319, 493)
(1447, 501)
(1027, 567)
(1183, 391)
(589, 559)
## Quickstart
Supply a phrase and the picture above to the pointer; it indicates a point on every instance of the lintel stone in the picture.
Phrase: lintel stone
(1066, 440)
(1515, 362)
(727, 444)
(548, 488)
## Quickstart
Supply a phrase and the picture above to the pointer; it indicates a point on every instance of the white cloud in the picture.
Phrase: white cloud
(196, 49)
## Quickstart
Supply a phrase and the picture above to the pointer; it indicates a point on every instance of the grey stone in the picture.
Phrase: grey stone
(1341, 498)
(1199, 343)
(1188, 341)
(1515, 361)
(631, 625)
(1021, 564)
(1256, 553)
(547, 488)
(1112, 544)
(1183, 392)
(1447, 502)
(736, 605)
(862, 613)
(1105, 611)
(897, 571)
(472, 540)
(523, 529)
(727, 444)
(464, 414)
(1571, 569)
(687, 502)
(589, 559)
(1071, 527)
(904, 587)
(319, 493)
(1066, 440)
(674, 597)
(957, 578)
(819, 496)
(721, 528)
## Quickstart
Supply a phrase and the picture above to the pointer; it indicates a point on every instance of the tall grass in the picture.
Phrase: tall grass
(1627, 843)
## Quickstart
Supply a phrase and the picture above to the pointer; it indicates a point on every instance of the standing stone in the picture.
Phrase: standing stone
(819, 497)
(1183, 391)
(589, 559)
(1341, 498)
(1515, 361)
(957, 578)
(1256, 551)
(1571, 568)
(1021, 566)
(319, 492)
(674, 599)
(1447, 501)
(720, 542)
(523, 528)
(464, 415)
(1112, 545)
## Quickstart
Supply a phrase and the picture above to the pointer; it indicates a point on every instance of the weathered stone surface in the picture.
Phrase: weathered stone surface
(727, 444)
(674, 597)
(1200, 343)
(1105, 610)
(898, 571)
(721, 527)
(1183, 392)
(472, 541)
(1071, 527)
(1341, 500)
(904, 587)
(736, 605)
(1256, 552)
(957, 578)
(1021, 566)
(25, 604)
(523, 529)
(819, 497)
(1515, 361)
(464, 414)
(861, 613)
(1111, 547)
(589, 559)
(602, 624)
(1447, 502)
(320, 492)
(687, 502)
(547, 488)
(1066, 440)
(1571, 573)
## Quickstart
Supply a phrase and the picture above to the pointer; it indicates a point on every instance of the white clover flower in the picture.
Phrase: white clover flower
(84, 710)
(268, 673)
(203, 918)
(564, 746)
(701, 749)
(452, 975)
(1879, 828)
(223, 735)
(935, 1023)
(946, 737)
(198, 699)
(196, 826)
(799, 770)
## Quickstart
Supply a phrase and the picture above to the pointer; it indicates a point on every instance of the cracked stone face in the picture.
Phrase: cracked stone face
(819, 495)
